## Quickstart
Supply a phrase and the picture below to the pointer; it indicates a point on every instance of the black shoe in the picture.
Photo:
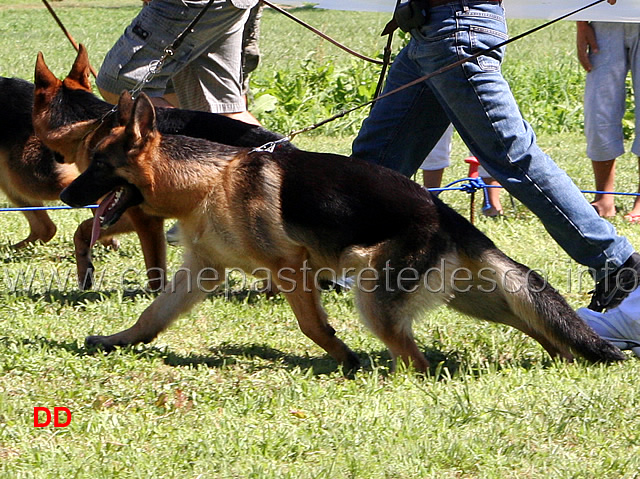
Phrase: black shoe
(611, 290)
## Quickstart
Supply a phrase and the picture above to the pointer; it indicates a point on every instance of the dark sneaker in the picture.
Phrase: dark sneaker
(610, 291)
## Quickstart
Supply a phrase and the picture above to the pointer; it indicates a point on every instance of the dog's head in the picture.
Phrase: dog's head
(66, 114)
(119, 167)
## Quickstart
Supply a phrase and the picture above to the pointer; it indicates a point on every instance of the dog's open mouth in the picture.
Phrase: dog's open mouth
(112, 207)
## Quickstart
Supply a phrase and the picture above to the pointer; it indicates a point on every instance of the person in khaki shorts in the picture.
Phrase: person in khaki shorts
(205, 71)
(608, 51)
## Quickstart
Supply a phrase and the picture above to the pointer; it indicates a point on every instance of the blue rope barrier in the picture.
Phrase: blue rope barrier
(470, 185)
(43, 208)
(476, 184)
(610, 193)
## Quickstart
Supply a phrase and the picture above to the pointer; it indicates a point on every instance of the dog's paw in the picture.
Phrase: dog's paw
(351, 365)
(99, 343)
(111, 243)
(85, 278)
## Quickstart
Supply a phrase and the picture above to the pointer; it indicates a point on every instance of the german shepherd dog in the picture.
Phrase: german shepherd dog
(296, 214)
(29, 173)
(68, 119)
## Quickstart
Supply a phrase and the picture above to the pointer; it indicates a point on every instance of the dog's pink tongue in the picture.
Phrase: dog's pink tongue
(102, 207)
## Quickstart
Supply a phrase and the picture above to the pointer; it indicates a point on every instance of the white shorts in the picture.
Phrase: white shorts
(605, 90)
(440, 156)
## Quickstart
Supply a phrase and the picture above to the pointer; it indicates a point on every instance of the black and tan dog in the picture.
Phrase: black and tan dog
(29, 174)
(68, 119)
(295, 214)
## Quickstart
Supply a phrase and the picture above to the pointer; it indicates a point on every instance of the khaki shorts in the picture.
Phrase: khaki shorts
(205, 70)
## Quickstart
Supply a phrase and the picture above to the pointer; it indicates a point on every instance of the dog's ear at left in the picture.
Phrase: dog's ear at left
(143, 119)
(44, 78)
(78, 77)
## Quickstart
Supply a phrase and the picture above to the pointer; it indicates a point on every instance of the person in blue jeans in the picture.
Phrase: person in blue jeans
(402, 128)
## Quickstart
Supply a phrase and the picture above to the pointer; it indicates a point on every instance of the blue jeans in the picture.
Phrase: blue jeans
(403, 128)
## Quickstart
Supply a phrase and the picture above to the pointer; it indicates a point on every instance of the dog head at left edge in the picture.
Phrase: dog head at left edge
(65, 112)
(115, 166)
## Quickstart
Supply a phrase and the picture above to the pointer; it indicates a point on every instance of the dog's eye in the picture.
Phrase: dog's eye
(99, 161)
(99, 165)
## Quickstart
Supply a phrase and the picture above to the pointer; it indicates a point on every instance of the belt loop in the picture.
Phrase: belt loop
(465, 6)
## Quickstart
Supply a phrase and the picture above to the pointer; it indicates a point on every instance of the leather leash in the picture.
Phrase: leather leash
(67, 34)
(320, 34)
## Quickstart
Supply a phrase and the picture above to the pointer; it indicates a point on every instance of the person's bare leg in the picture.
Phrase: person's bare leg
(432, 178)
(634, 215)
(495, 206)
(169, 100)
(245, 116)
(604, 173)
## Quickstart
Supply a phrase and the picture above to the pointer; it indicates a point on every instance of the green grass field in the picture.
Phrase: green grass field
(234, 390)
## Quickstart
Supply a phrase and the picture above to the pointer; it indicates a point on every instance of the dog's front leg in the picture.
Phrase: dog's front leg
(188, 287)
(304, 299)
(82, 244)
(84, 265)
(150, 230)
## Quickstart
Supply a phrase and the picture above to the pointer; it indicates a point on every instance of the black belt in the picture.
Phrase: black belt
(415, 13)
(437, 3)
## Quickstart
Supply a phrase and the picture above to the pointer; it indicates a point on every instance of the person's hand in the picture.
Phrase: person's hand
(586, 42)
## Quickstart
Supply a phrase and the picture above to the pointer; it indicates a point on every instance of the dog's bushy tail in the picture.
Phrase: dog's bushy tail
(557, 320)
(565, 326)
(523, 299)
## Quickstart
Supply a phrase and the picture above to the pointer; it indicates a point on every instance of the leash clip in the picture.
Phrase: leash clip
(270, 146)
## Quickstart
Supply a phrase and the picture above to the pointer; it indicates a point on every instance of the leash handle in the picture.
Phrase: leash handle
(386, 60)
(189, 28)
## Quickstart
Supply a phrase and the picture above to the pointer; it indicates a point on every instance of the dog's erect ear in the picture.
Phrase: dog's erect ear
(80, 70)
(125, 107)
(143, 119)
(43, 77)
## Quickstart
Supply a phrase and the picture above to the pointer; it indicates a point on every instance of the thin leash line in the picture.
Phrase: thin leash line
(386, 61)
(444, 69)
(321, 34)
(66, 32)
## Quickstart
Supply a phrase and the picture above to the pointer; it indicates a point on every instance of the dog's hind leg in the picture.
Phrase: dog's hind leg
(393, 326)
(185, 290)
(304, 299)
